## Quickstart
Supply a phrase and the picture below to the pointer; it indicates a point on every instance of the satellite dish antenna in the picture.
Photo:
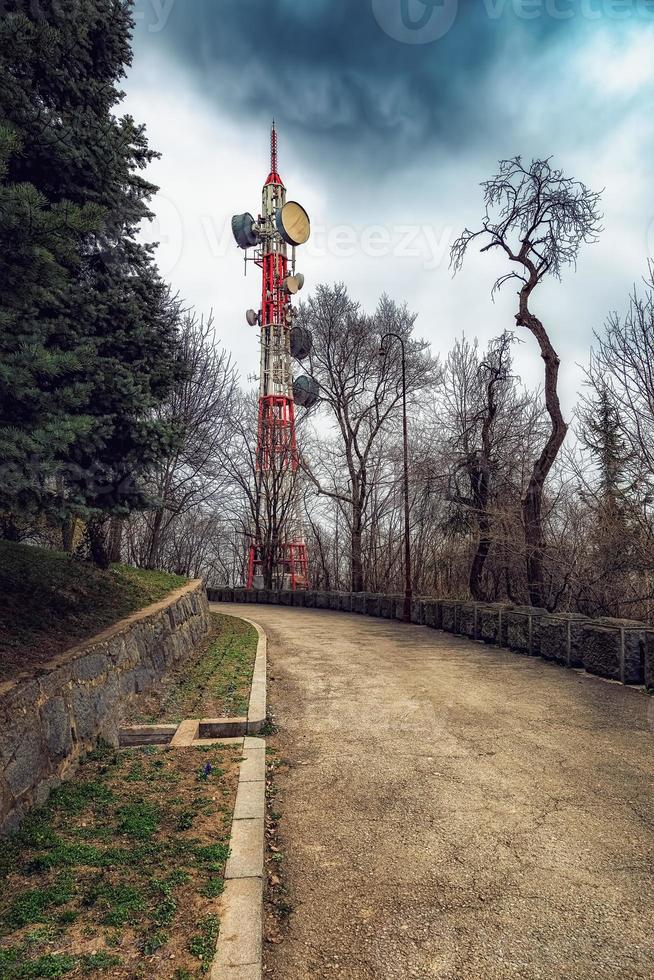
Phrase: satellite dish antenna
(293, 223)
(306, 391)
(301, 343)
(252, 318)
(300, 280)
(244, 230)
(291, 285)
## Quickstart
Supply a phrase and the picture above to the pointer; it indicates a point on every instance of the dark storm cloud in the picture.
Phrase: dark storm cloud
(381, 135)
(331, 68)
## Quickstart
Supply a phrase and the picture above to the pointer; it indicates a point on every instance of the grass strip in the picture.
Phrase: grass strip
(120, 873)
(214, 684)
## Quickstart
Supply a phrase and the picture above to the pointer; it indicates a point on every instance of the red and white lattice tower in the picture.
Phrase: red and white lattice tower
(281, 225)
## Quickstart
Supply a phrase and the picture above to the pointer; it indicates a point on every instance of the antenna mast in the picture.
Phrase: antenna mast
(278, 552)
(273, 149)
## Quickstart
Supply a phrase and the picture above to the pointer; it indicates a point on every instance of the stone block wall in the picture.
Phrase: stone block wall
(523, 630)
(48, 720)
(621, 650)
(615, 648)
(649, 662)
(433, 614)
(373, 604)
(493, 624)
(450, 615)
(468, 620)
(561, 638)
(418, 612)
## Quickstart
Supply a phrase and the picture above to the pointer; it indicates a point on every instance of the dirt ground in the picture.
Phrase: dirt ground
(449, 810)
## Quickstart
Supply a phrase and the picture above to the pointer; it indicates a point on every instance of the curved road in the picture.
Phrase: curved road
(450, 810)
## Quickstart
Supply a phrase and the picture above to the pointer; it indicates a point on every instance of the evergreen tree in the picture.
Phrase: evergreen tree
(601, 433)
(39, 247)
(88, 330)
(610, 499)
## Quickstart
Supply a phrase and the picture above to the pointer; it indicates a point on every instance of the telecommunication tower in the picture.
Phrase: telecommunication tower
(277, 550)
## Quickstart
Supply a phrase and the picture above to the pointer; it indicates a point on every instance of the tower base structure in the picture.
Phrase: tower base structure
(290, 570)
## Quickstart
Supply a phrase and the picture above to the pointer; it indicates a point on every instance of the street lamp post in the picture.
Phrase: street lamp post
(408, 592)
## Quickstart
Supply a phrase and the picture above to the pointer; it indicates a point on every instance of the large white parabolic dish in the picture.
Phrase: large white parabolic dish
(293, 223)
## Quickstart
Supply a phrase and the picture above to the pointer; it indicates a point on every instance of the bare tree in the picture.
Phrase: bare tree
(263, 503)
(200, 409)
(622, 363)
(473, 392)
(361, 394)
(616, 479)
(539, 218)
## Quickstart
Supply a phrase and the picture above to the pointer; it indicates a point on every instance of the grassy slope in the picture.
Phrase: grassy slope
(49, 601)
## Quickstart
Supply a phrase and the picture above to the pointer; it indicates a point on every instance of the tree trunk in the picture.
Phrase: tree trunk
(475, 582)
(532, 504)
(480, 485)
(532, 517)
(97, 541)
(68, 534)
(155, 539)
(357, 561)
(115, 539)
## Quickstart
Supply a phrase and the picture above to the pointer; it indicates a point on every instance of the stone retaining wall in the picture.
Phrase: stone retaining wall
(618, 649)
(48, 719)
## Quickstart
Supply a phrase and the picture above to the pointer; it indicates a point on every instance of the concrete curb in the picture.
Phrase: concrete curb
(239, 950)
(257, 708)
(137, 735)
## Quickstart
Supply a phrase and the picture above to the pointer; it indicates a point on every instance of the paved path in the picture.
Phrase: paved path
(454, 811)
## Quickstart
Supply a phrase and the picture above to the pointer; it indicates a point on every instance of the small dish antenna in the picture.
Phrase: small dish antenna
(293, 284)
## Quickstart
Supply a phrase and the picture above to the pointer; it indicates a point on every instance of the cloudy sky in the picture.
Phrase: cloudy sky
(390, 113)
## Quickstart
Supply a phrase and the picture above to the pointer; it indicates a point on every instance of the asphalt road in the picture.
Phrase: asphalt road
(450, 810)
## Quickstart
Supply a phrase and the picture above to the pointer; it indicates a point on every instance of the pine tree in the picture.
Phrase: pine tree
(601, 434)
(40, 247)
(611, 503)
(88, 328)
